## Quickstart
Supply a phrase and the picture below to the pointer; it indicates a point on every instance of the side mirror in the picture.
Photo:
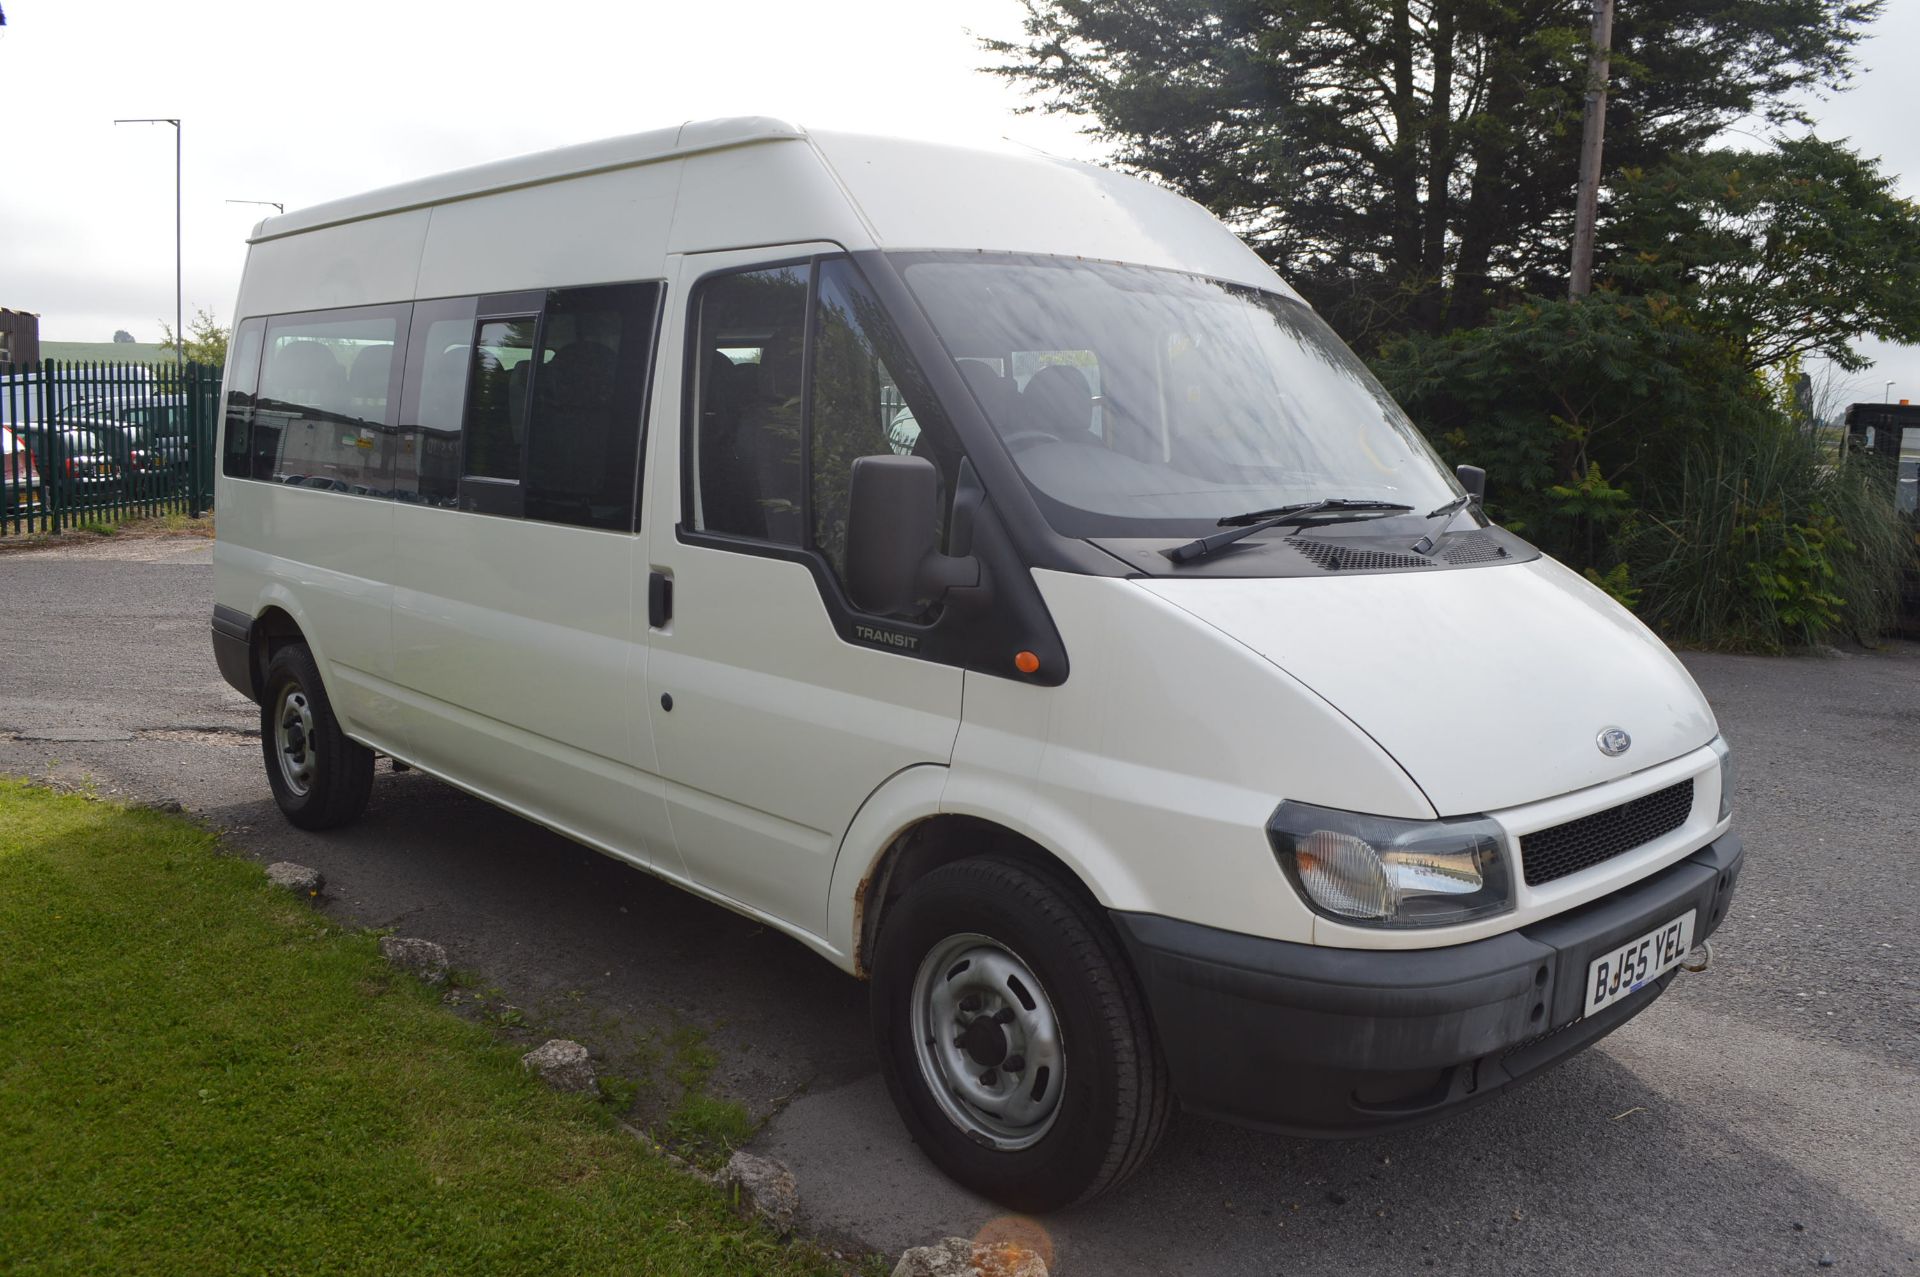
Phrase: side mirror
(892, 562)
(1474, 480)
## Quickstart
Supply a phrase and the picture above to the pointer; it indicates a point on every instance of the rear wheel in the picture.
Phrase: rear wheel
(1013, 1037)
(320, 777)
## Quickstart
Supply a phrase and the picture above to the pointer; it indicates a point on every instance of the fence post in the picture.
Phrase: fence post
(196, 418)
(49, 410)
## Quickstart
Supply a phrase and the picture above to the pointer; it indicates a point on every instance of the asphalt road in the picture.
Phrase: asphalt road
(1759, 1118)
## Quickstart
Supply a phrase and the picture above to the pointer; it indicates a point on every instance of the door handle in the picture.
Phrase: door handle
(659, 599)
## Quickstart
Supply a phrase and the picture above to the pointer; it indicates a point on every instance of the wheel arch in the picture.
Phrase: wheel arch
(273, 628)
(904, 832)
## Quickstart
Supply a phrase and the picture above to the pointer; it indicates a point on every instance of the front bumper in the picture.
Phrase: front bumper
(1331, 1042)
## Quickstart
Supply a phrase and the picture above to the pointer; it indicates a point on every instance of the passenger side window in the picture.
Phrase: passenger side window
(243, 381)
(860, 405)
(751, 342)
(426, 463)
(326, 383)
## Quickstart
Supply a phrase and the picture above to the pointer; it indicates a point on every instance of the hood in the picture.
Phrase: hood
(1490, 686)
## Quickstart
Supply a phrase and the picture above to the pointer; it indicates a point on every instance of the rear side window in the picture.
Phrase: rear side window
(327, 385)
(426, 461)
(243, 380)
(555, 404)
(750, 360)
(583, 448)
(497, 391)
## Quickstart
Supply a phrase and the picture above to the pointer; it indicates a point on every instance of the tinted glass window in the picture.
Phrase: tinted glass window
(426, 462)
(243, 379)
(748, 395)
(867, 401)
(584, 439)
(322, 413)
(497, 398)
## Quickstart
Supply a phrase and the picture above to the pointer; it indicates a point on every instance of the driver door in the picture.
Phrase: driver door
(773, 721)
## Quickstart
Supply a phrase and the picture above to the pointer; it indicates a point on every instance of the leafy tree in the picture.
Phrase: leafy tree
(121, 337)
(206, 339)
(1791, 252)
(1410, 163)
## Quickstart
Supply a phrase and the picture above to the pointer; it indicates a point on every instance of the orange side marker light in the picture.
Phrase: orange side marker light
(1026, 662)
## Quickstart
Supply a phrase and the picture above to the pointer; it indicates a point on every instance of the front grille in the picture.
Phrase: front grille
(1330, 556)
(1581, 844)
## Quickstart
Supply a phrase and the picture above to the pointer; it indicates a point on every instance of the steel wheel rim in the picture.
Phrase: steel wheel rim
(988, 1042)
(293, 739)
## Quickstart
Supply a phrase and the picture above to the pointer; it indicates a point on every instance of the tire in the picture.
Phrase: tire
(962, 948)
(320, 777)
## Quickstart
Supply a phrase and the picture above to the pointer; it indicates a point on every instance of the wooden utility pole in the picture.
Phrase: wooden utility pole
(1581, 281)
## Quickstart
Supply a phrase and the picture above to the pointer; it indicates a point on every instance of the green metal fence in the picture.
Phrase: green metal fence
(85, 443)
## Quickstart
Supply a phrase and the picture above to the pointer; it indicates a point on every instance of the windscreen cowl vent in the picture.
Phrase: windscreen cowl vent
(1473, 547)
(1332, 556)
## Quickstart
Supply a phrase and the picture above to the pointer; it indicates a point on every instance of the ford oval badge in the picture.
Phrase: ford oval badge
(1614, 742)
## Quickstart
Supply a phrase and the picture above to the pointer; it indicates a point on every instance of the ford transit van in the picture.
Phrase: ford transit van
(985, 570)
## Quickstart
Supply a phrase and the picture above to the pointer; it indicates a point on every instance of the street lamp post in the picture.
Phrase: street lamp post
(275, 205)
(1886, 396)
(179, 307)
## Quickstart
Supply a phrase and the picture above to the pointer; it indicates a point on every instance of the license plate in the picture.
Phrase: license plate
(1638, 963)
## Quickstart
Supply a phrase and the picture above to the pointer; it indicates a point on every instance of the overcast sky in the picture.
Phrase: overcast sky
(300, 104)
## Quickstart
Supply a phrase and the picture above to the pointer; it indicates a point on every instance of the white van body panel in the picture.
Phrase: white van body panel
(604, 227)
(924, 195)
(523, 670)
(1153, 769)
(1490, 686)
(291, 548)
(361, 263)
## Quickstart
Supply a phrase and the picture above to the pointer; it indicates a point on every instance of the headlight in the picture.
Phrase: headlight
(1726, 776)
(1375, 871)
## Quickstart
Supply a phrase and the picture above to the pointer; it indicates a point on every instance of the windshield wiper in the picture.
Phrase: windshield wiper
(1451, 506)
(1245, 525)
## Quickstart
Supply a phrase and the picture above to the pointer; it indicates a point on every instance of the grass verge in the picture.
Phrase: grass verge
(175, 523)
(199, 1074)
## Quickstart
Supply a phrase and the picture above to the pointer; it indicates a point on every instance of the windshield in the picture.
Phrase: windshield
(1141, 402)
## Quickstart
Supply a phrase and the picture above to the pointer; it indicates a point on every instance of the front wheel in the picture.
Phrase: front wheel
(320, 776)
(1013, 1036)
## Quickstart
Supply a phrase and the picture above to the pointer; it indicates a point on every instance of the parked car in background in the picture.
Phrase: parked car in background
(157, 424)
(81, 470)
(20, 491)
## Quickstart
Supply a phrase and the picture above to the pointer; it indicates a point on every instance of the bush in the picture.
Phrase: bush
(1770, 543)
(1576, 409)
(1627, 439)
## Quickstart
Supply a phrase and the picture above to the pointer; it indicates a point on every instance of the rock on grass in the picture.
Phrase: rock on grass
(767, 1189)
(561, 1064)
(422, 957)
(958, 1257)
(296, 878)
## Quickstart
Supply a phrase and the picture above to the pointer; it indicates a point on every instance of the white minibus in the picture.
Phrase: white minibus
(984, 569)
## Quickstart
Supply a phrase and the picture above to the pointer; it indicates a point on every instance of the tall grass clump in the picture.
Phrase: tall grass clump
(1766, 542)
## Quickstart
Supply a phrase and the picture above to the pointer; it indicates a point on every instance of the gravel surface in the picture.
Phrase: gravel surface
(1758, 1118)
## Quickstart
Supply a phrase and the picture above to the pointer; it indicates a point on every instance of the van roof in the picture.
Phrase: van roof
(860, 191)
(627, 151)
